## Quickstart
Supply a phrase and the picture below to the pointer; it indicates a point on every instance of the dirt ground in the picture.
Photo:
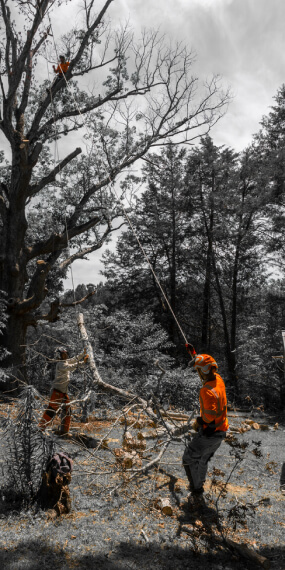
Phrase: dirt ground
(115, 522)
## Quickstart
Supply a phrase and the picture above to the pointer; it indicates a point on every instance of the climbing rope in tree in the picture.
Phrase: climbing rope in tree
(124, 210)
(149, 263)
(56, 154)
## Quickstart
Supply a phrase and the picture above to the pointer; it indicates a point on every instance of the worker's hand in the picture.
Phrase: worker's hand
(53, 66)
(197, 424)
(190, 349)
(86, 358)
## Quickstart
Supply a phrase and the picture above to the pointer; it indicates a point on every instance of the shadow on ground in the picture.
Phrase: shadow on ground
(30, 555)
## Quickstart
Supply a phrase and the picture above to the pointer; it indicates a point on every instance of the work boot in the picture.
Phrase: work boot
(195, 503)
(62, 433)
(66, 435)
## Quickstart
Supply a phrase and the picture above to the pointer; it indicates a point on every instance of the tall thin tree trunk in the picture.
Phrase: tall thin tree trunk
(173, 260)
(207, 291)
(207, 285)
(231, 360)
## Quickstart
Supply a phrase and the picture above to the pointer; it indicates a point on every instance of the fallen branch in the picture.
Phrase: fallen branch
(153, 461)
(242, 549)
(144, 535)
(172, 430)
(247, 552)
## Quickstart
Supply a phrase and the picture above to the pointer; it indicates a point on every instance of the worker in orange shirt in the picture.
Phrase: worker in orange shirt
(62, 67)
(211, 425)
(60, 70)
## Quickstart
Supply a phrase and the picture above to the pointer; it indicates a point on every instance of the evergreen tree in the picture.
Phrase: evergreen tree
(159, 218)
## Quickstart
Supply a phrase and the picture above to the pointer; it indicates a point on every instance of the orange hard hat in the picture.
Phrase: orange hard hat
(205, 362)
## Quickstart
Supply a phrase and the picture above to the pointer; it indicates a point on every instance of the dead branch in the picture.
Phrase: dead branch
(172, 430)
(78, 302)
(242, 549)
(53, 314)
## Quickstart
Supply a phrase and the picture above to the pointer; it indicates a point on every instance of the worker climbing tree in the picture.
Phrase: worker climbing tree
(60, 70)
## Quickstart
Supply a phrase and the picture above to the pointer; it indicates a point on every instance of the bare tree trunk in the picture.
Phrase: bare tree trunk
(205, 334)
(231, 361)
(206, 293)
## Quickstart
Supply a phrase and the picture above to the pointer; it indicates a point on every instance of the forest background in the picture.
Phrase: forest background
(210, 219)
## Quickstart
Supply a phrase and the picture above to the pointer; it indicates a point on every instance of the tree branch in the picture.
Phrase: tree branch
(88, 250)
(55, 308)
(58, 242)
(52, 175)
(86, 37)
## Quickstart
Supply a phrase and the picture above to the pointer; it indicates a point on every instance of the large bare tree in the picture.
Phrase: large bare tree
(144, 95)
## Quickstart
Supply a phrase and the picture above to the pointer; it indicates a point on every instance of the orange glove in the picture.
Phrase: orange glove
(86, 357)
(190, 349)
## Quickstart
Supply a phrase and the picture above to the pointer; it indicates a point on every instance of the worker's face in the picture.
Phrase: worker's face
(63, 355)
(203, 377)
(61, 59)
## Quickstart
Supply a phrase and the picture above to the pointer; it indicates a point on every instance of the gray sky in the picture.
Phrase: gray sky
(243, 40)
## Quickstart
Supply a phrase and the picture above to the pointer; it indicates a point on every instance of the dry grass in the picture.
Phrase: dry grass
(114, 524)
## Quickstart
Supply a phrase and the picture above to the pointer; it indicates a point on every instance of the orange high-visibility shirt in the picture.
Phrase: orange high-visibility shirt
(62, 67)
(213, 403)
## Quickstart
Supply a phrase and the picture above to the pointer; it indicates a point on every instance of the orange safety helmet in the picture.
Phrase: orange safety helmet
(205, 362)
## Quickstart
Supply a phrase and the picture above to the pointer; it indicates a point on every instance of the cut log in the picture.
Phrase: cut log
(150, 434)
(131, 442)
(175, 416)
(165, 507)
(247, 552)
(244, 429)
(163, 504)
(127, 459)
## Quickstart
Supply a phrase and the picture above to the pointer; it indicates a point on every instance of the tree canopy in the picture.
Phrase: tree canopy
(56, 207)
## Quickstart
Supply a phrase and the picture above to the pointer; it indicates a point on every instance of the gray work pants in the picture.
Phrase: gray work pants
(197, 455)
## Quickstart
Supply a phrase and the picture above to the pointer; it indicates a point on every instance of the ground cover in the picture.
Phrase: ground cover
(115, 522)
